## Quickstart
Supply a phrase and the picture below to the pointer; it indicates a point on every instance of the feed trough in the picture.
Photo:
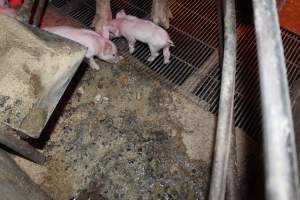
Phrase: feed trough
(36, 68)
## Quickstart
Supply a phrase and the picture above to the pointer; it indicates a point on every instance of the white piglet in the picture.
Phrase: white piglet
(4, 4)
(8, 11)
(133, 29)
(96, 44)
(4, 9)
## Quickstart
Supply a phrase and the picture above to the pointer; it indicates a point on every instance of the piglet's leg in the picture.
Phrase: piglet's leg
(92, 63)
(131, 44)
(103, 15)
(167, 55)
(154, 53)
(161, 13)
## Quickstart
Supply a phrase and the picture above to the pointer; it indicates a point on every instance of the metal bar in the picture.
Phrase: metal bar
(225, 116)
(39, 12)
(191, 82)
(15, 183)
(20, 146)
(232, 180)
(177, 73)
(210, 83)
(203, 7)
(221, 29)
(281, 173)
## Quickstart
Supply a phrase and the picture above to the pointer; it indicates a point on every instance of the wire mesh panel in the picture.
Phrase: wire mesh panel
(194, 68)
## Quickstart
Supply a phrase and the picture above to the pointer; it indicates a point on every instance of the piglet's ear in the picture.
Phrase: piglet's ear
(105, 31)
(121, 14)
(107, 49)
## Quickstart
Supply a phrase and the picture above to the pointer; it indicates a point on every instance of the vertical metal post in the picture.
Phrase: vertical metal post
(39, 12)
(280, 161)
(219, 7)
(232, 187)
(225, 114)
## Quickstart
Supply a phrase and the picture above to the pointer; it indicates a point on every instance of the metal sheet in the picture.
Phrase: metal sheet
(36, 67)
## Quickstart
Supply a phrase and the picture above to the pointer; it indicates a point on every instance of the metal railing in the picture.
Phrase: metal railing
(280, 162)
(225, 124)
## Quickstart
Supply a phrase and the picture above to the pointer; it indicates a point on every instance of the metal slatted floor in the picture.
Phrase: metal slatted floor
(194, 68)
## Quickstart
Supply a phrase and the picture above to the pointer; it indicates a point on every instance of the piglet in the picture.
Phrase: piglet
(4, 4)
(7, 11)
(133, 29)
(4, 9)
(96, 45)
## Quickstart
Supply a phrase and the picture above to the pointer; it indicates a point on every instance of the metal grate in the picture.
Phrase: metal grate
(194, 68)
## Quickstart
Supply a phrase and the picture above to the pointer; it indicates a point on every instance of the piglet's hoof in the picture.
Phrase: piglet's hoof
(131, 50)
(166, 62)
(121, 58)
(151, 59)
(93, 64)
(96, 67)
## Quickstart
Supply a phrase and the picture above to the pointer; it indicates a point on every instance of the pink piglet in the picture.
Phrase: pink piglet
(96, 45)
(133, 29)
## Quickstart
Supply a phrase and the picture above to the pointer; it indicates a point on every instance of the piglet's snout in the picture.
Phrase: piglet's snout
(114, 60)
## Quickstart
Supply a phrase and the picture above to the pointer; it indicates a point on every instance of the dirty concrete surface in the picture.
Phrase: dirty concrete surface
(122, 136)
(117, 134)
